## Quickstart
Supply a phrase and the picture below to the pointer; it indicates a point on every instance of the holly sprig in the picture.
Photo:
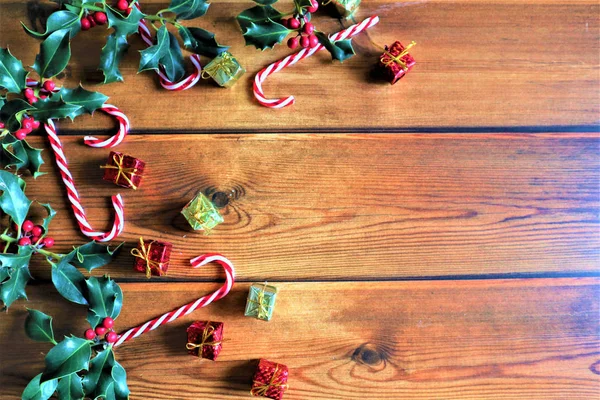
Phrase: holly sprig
(263, 26)
(123, 18)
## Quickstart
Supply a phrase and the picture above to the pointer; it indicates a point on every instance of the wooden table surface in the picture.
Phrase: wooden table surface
(438, 239)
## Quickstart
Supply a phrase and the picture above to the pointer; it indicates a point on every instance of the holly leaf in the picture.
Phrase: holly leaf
(12, 112)
(62, 19)
(166, 53)
(70, 388)
(258, 15)
(54, 108)
(38, 326)
(4, 273)
(265, 2)
(13, 200)
(303, 3)
(12, 74)
(105, 299)
(48, 219)
(69, 282)
(69, 356)
(265, 34)
(99, 365)
(93, 255)
(19, 154)
(124, 25)
(39, 391)
(201, 42)
(111, 56)
(18, 265)
(88, 101)
(340, 50)
(120, 377)
(54, 55)
(188, 9)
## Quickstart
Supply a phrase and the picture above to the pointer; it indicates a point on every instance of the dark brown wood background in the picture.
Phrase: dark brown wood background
(458, 259)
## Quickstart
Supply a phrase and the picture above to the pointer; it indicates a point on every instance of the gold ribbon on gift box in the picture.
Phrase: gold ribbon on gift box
(263, 309)
(397, 59)
(227, 64)
(122, 172)
(275, 381)
(209, 330)
(144, 254)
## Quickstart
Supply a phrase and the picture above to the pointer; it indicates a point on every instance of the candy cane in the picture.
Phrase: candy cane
(73, 195)
(121, 133)
(190, 307)
(294, 58)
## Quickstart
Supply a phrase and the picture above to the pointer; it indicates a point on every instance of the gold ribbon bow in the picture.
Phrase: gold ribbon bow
(273, 382)
(144, 254)
(122, 172)
(206, 334)
(397, 59)
(263, 309)
(226, 63)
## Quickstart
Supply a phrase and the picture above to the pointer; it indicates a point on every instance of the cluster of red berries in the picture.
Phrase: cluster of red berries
(306, 37)
(32, 234)
(105, 329)
(91, 20)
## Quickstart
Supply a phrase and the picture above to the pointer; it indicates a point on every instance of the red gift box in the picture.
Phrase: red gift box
(152, 257)
(270, 380)
(396, 61)
(204, 339)
(123, 170)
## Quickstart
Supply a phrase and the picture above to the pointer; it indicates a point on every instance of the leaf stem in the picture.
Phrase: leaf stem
(48, 253)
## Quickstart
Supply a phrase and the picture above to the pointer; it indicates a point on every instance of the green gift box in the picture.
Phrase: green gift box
(224, 69)
(346, 7)
(202, 214)
(261, 301)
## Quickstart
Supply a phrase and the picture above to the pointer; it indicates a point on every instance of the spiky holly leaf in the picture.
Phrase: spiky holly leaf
(70, 388)
(165, 54)
(69, 282)
(93, 255)
(124, 25)
(12, 74)
(265, 34)
(37, 390)
(38, 326)
(12, 112)
(49, 217)
(67, 357)
(303, 3)
(4, 273)
(188, 9)
(201, 42)
(120, 378)
(258, 15)
(105, 299)
(340, 50)
(13, 200)
(54, 55)
(88, 101)
(265, 2)
(19, 154)
(54, 108)
(106, 378)
(111, 56)
(62, 19)
(101, 364)
(18, 266)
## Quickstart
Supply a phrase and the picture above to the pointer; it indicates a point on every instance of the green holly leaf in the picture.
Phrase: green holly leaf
(93, 255)
(188, 9)
(105, 299)
(38, 326)
(99, 365)
(265, 34)
(70, 388)
(303, 3)
(55, 53)
(4, 273)
(12, 112)
(111, 56)
(340, 50)
(18, 266)
(62, 19)
(39, 391)
(49, 217)
(12, 74)
(88, 101)
(69, 356)
(124, 25)
(19, 154)
(201, 42)
(258, 15)
(120, 377)
(13, 200)
(265, 2)
(166, 53)
(69, 282)
(54, 108)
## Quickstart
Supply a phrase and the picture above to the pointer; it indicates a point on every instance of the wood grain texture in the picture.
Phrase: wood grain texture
(479, 64)
(535, 339)
(336, 207)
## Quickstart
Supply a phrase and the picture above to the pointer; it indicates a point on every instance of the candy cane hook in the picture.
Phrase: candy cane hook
(190, 307)
(294, 58)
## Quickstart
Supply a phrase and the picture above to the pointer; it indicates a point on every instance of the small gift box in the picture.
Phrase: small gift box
(204, 339)
(270, 380)
(202, 214)
(346, 7)
(123, 170)
(224, 69)
(152, 257)
(261, 301)
(396, 62)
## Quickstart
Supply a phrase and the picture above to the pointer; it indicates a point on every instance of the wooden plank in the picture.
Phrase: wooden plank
(480, 63)
(509, 339)
(353, 206)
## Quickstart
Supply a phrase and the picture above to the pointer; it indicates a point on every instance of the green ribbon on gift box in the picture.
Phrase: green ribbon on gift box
(225, 63)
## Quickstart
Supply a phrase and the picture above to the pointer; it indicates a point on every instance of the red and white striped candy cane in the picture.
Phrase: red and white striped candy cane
(121, 133)
(73, 195)
(294, 58)
(190, 307)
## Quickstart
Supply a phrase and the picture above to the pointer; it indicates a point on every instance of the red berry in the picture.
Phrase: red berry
(285, 22)
(21, 134)
(308, 28)
(122, 5)
(90, 334)
(108, 322)
(24, 241)
(28, 92)
(35, 239)
(27, 226)
(48, 242)
(92, 21)
(85, 24)
(37, 230)
(293, 23)
(128, 11)
(49, 86)
(100, 330)
(43, 96)
(32, 99)
(100, 17)
(292, 43)
(304, 41)
(27, 124)
(1, 125)
(314, 7)
(36, 124)
(313, 41)
(111, 337)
